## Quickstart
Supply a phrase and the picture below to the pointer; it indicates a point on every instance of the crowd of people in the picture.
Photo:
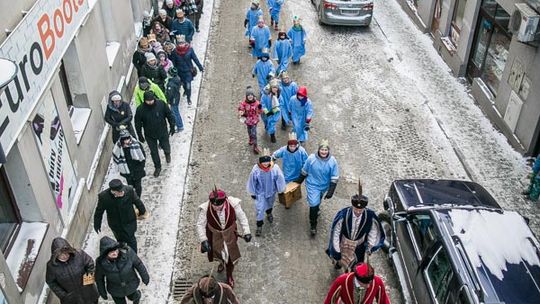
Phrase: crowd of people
(166, 65)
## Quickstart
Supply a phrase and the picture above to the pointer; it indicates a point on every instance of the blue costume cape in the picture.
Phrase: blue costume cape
(261, 37)
(298, 44)
(320, 172)
(287, 91)
(368, 218)
(270, 121)
(299, 114)
(282, 52)
(275, 8)
(292, 162)
(261, 69)
(252, 16)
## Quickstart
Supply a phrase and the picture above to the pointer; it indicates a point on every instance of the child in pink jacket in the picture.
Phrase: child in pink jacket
(249, 112)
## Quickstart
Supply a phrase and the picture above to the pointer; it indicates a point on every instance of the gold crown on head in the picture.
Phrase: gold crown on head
(324, 144)
(292, 136)
(265, 152)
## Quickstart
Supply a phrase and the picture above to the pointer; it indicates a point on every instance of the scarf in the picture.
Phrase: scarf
(182, 49)
(297, 27)
(120, 159)
(266, 169)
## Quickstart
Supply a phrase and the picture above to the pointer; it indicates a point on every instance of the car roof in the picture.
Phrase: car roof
(502, 250)
(435, 192)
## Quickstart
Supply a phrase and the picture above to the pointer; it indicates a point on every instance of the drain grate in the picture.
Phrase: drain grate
(181, 285)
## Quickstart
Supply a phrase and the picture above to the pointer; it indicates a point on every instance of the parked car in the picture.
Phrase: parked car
(451, 242)
(344, 12)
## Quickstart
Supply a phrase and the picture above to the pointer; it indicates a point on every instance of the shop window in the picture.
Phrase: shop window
(491, 45)
(457, 21)
(112, 46)
(437, 12)
(10, 218)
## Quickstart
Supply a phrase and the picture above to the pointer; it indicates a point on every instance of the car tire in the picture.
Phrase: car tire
(386, 224)
(319, 15)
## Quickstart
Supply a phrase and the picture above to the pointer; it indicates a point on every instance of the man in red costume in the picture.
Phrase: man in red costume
(360, 286)
(217, 230)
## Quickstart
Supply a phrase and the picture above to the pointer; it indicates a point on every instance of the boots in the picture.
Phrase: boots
(269, 216)
(258, 232)
(168, 157)
(273, 138)
(313, 215)
(157, 172)
(276, 26)
(256, 149)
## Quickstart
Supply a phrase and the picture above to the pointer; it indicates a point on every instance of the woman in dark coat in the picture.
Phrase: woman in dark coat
(118, 115)
(116, 271)
(182, 59)
(138, 58)
(65, 272)
(154, 71)
(130, 159)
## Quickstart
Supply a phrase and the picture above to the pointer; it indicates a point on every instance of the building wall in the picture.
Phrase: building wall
(97, 60)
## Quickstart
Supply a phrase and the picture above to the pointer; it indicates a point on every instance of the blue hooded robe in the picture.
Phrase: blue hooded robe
(320, 172)
(287, 91)
(300, 112)
(252, 16)
(265, 186)
(261, 69)
(298, 41)
(261, 35)
(270, 121)
(292, 161)
(282, 52)
(275, 8)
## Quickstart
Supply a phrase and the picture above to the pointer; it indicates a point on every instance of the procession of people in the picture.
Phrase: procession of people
(166, 65)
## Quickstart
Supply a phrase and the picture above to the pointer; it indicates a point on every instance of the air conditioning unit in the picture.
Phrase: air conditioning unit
(524, 22)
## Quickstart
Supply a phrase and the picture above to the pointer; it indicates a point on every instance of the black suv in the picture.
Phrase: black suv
(451, 242)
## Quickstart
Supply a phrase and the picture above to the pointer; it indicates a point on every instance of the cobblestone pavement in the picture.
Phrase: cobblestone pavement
(390, 109)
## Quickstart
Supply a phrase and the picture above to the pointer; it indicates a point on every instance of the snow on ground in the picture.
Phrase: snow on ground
(162, 196)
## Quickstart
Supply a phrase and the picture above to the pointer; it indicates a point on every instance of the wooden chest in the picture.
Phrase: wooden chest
(292, 194)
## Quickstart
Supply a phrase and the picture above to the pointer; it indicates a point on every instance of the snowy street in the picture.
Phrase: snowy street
(382, 97)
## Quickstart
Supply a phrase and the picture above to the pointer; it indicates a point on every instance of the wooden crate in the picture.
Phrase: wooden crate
(292, 194)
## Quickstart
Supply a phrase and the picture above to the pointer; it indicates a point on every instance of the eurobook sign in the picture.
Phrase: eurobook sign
(36, 45)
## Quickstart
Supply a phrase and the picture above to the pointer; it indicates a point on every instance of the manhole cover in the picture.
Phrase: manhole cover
(180, 287)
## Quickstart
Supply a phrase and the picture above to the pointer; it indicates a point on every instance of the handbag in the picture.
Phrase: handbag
(193, 71)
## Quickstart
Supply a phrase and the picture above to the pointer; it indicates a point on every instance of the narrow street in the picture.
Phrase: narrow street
(390, 109)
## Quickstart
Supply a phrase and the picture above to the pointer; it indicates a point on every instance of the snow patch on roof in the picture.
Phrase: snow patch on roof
(499, 239)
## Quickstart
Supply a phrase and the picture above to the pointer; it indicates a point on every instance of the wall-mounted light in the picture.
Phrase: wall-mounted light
(8, 71)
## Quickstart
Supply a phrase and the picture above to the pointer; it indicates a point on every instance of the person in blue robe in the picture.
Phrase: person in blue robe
(264, 70)
(301, 113)
(282, 52)
(298, 37)
(293, 158)
(288, 90)
(270, 103)
(260, 38)
(252, 16)
(274, 6)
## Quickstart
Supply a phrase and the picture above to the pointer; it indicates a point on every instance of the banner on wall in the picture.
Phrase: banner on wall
(50, 138)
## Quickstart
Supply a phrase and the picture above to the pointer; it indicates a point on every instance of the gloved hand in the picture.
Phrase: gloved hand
(247, 237)
(253, 75)
(330, 191)
(254, 197)
(300, 179)
(252, 42)
(172, 131)
(142, 140)
(205, 246)
(269, 113)
(306, 127)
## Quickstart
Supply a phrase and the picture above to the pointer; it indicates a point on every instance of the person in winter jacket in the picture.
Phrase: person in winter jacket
(196, 17)
(248, 111)
(172, 90)
(161, 32)
(264, 70)
(164, 19)
(65, 272)
(154, 44)
(294, 157)
(298, 37)
(358, 286)
(301, 113)
(260, 38)
(139, 58)
(153, 116)
(118, 115)
(118, 201)
(146, 23)
(118, 269)
(274, 6)
(322, 173)
(183, 59)
(190, 8)
(170, 7)
(182, 26)
(271, 107)
(129, 157)
(154, 71)
(253, 14)
(209, 290)
(264, 182)
(145, 85)
(288, 90)
(282, 52)
(164, 61)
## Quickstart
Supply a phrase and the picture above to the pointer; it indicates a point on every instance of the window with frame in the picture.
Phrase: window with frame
(457, 21)
(423, 232)
(439, 275)
(10, 218)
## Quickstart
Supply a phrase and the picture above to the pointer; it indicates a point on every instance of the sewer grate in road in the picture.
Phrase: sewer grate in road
(181, 285)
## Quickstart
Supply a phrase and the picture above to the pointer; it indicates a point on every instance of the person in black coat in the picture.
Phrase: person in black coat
(116, 272)
(153, 115)
(118, 115)
(129, 157)
(183, 58)
(154, 71)
(172, 91)
(118, 201)
(65, 271)
(139, 58)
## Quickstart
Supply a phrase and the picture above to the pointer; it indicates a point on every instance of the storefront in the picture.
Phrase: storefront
(491, 45)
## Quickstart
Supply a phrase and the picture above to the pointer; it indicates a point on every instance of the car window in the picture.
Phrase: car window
(423, 231)
(439, 274)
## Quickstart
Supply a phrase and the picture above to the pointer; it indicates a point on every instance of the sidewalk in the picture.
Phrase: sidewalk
(162, 196)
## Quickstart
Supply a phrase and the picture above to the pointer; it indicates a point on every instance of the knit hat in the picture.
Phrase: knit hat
(149, 56)
(115, 96)
(217, 196)
(149, 95)
(302, 91)
(292, 139)
(146, 15)
(250, 91)
(124, 134)
(364, 273)
(143, 83)
(116, 185)
(173, 72)
(296, 19)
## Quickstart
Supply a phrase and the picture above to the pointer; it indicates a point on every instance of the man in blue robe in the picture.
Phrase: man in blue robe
(356, 230)
(321, 173)
(270, 102)
(265, 181)
(264, 70)
(301, 112)
(282, 52)
(260, 38)
(252, 16)
(294, 156)
(298, 37)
